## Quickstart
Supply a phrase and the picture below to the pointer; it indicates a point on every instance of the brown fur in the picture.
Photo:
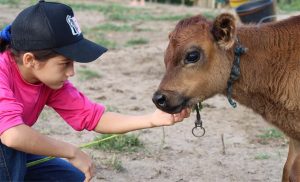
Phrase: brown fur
(270, 71)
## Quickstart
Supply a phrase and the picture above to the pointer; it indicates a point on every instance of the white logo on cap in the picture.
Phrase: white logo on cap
(73, 25)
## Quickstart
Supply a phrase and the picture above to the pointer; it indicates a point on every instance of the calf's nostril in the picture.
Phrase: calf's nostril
(161, 100)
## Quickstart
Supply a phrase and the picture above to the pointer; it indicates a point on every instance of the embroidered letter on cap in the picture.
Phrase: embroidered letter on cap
(73, 25)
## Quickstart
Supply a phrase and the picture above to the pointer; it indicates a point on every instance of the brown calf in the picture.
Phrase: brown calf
(199, 59)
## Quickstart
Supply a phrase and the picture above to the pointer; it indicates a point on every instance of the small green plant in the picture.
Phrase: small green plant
(138, 41)
(262, 156)
(84, 6)
(171, 17)
(144, 16)
(112, 27)
(100, 38)
(86, 74)
(293, 6)
(118, 12)
(271, 134)
(12, 3)
(115, 163)
(122, 143)
(106, 43)
(113, 8)
(105, 9)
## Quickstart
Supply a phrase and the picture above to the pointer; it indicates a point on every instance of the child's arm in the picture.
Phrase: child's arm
(118, 123)
(28, 140)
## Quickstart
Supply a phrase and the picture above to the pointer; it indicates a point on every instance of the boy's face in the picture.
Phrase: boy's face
(54, 72)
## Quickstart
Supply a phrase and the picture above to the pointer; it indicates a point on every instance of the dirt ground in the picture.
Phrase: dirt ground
(129, 75)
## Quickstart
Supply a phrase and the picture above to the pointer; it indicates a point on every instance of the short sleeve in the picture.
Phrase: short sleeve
(10, 109)
(75, 108)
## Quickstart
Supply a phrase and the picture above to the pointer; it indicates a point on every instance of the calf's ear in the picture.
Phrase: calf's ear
(224, 30)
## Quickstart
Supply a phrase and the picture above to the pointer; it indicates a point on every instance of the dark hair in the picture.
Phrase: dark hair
(3, 45)
(40, 55)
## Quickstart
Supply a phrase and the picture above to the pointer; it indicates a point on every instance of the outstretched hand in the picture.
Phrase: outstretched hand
(160, 118)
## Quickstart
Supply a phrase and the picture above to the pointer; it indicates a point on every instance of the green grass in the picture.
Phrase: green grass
(99, 38)
(13, 3)
(122, 143)
(118, 12)
(271, 133)
(113, 11)
(138, 15)
(294, 6)
(171, 17)
(86, 74)
(98, 35)
(115, 163)
(84, 7)
(138, 41)
(107, 27)
(144, 16)
(106, 43)
(262, 156)
(106, 9)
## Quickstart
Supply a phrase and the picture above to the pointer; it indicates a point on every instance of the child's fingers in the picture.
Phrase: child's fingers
(185, 113)
(177, 116)
(88, 175)
(189, 110)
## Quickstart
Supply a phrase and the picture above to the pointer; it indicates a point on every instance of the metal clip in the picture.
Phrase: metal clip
(198, 123)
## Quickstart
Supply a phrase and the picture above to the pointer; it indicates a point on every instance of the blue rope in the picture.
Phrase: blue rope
(5, 34)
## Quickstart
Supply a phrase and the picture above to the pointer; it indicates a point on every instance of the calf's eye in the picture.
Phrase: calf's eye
(192, 57)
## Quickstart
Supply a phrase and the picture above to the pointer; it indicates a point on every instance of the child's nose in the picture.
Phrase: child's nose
(70, 71)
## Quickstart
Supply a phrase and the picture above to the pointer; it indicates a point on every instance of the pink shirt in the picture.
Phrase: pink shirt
(22, 102)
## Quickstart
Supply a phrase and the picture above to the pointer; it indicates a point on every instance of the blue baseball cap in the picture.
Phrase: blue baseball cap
(51, 25)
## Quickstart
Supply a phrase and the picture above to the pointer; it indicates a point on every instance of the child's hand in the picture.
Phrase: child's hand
(84, 163)
(160, 118)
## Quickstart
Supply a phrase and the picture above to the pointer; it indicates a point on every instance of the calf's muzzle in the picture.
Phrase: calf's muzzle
(169, 101)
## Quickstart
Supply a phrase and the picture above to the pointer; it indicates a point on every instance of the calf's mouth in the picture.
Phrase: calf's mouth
(171, 102)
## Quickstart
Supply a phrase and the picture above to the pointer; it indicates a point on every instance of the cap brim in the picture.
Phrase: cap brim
(83, 51)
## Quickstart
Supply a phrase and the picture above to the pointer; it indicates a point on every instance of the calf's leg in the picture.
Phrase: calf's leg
(289, 162)
(291, 171)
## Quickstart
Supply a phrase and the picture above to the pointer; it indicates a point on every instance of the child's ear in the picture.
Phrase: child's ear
(28, 60)
(224, 30)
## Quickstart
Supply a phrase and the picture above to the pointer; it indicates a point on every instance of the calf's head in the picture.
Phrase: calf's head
(196, 61)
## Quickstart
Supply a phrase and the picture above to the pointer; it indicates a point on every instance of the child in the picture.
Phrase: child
(37, 57)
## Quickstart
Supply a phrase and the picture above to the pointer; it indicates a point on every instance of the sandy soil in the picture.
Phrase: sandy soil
(128, 77)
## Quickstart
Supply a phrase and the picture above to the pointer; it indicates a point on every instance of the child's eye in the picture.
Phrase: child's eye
(64, 64)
